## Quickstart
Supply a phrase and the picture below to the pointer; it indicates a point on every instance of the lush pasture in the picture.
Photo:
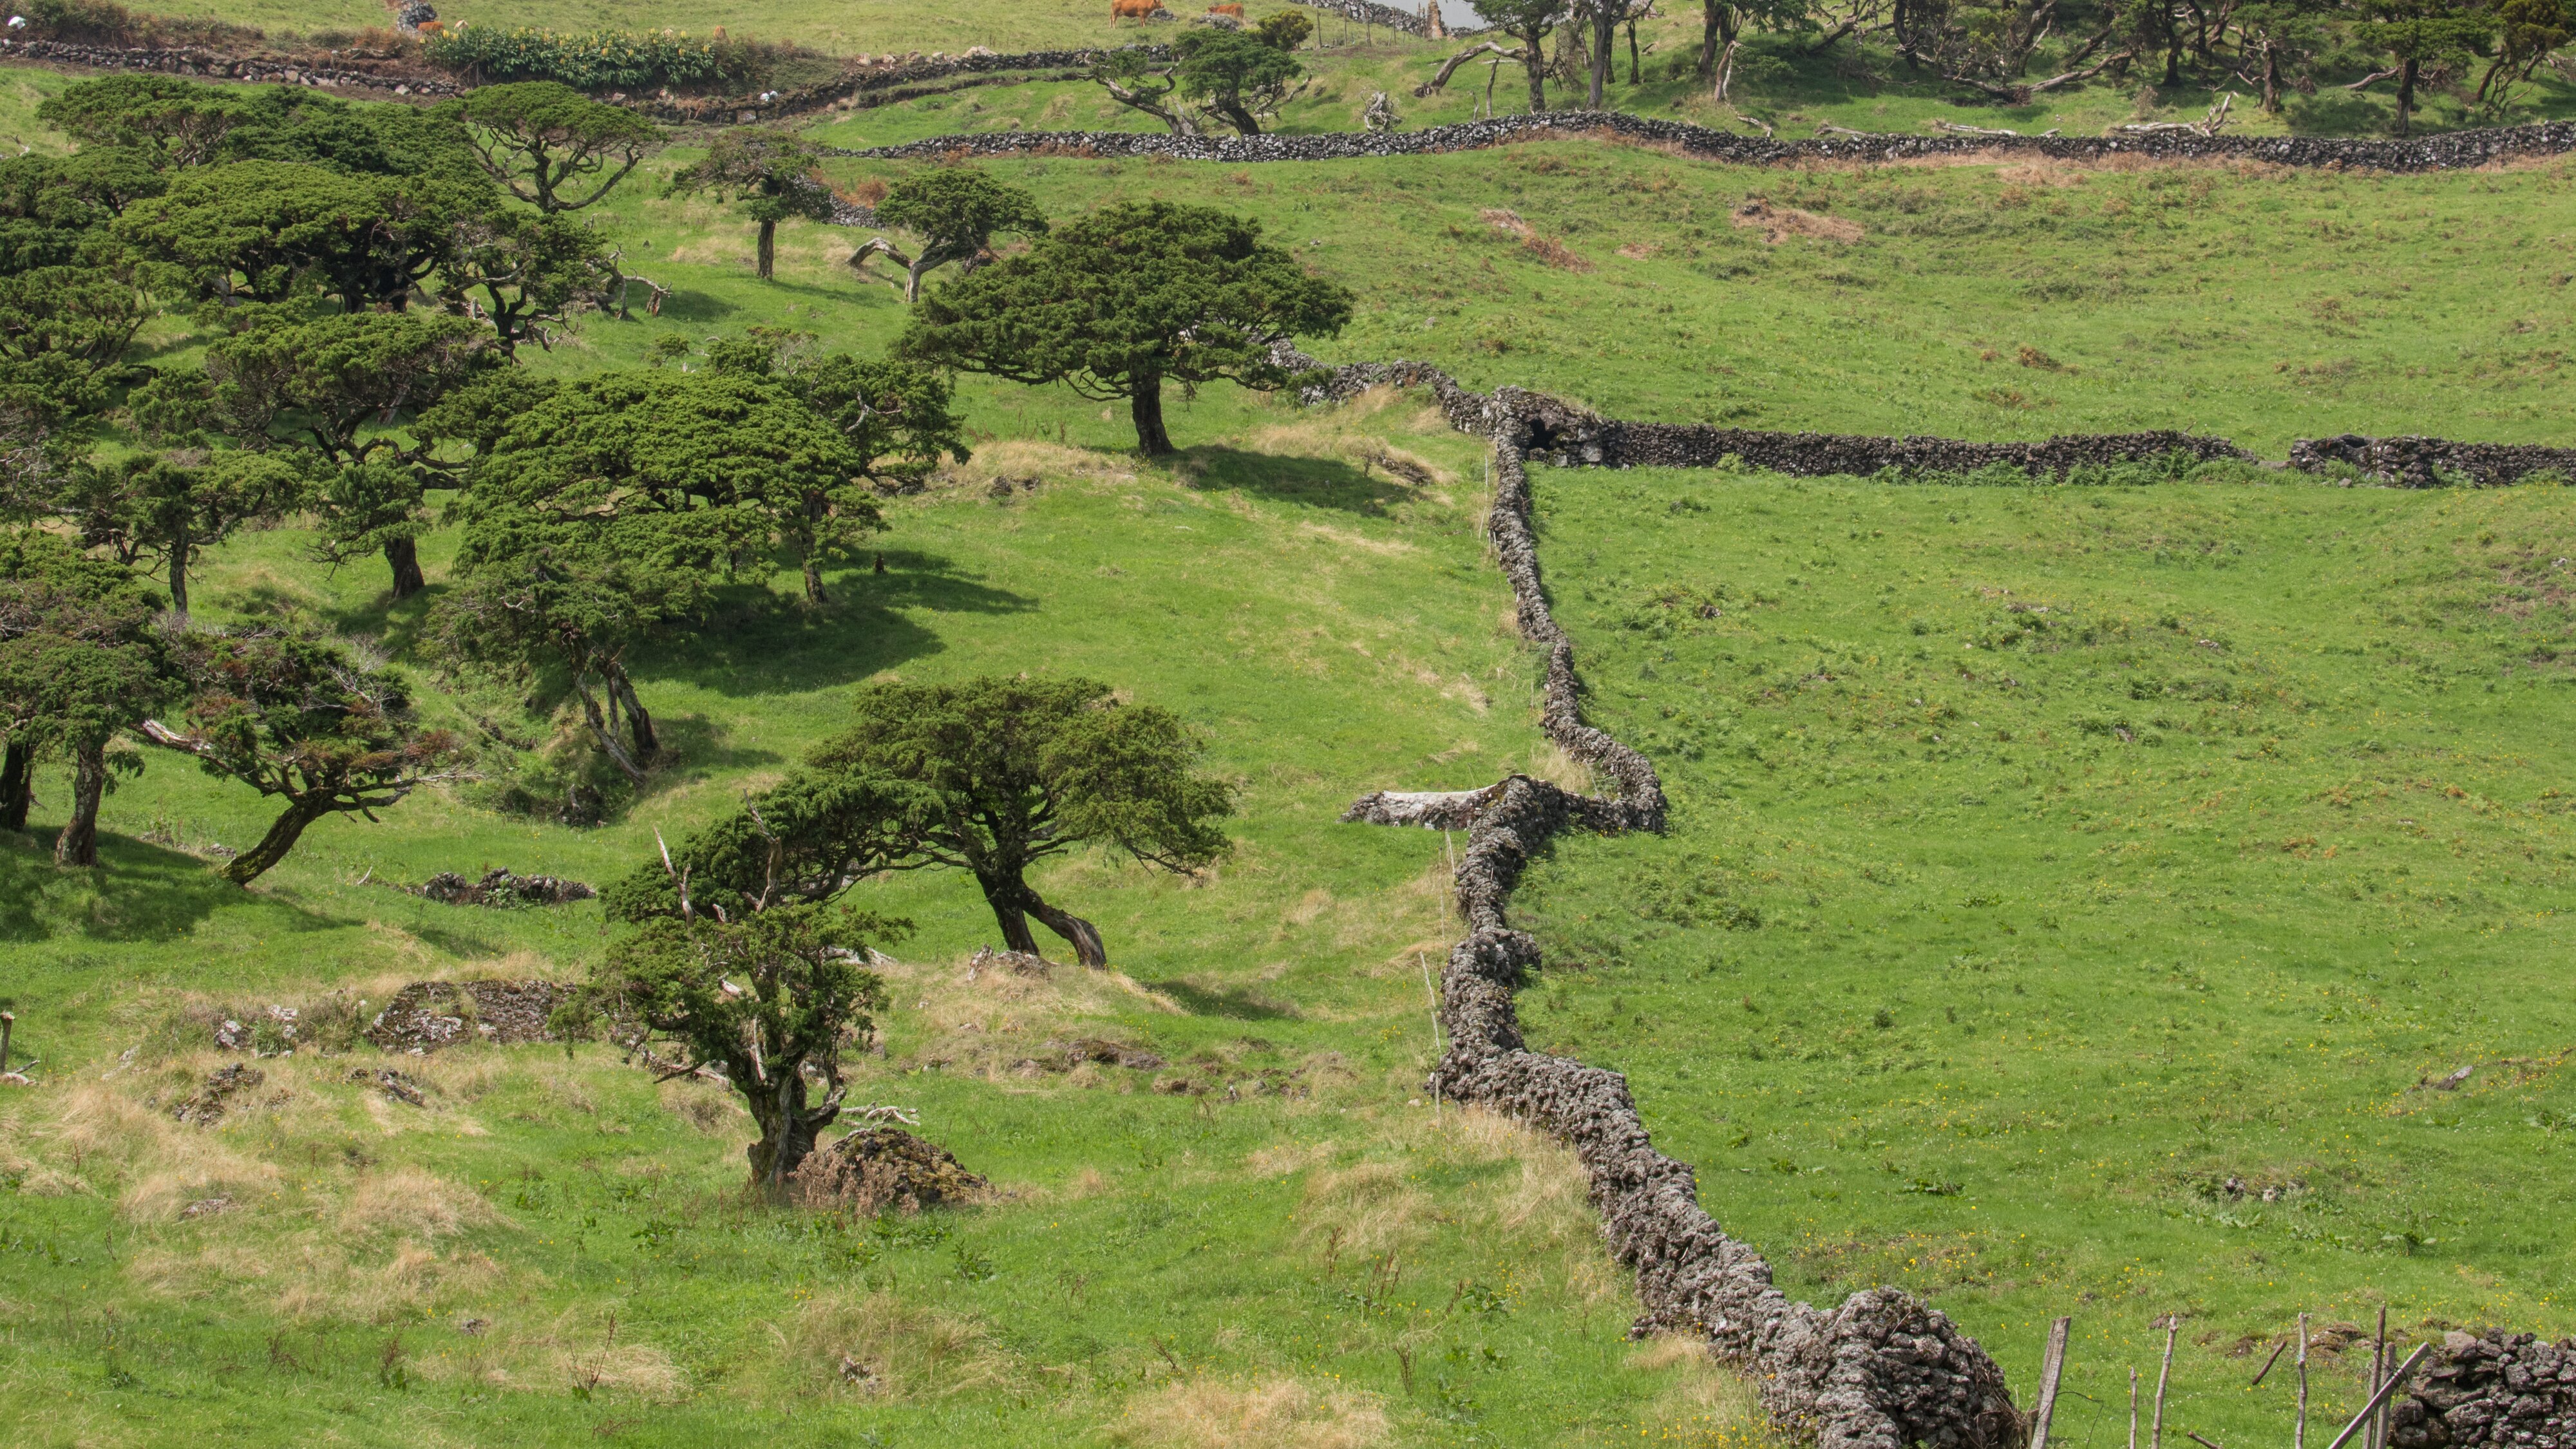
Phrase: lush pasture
(1314, 1254)
(2071, 889)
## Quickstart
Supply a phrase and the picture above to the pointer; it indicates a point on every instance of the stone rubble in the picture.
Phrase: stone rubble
(428, 1015)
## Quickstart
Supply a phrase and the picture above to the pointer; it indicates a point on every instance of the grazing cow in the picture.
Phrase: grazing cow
(1234, 10)
(1134, 9)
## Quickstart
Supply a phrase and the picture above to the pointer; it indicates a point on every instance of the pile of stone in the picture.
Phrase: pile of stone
(206, 1106)
(879, 1168)
(501, 888)
(2497, 1388)
(428, 1015)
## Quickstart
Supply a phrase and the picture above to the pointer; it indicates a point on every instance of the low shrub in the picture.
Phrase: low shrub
(600, 60)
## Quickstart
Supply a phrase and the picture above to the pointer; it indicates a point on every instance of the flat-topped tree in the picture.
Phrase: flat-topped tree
(339, 398)
(1004, 773)
(1117, 303)
(608, 514)
(176, 122)
(267, 230)
(957, 213)
(1240, 76)
(553, 147)
(300, 719)
(770, 175)
(81, 660)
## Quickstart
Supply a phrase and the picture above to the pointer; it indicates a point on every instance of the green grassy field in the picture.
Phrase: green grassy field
(1312, 1258)
(2045, 861)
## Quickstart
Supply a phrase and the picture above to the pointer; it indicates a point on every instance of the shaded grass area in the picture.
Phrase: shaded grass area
(2071, 891)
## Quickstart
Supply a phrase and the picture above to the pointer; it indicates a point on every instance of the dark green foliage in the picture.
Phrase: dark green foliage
(298, 718)
(1287, 30)
(172, 123)
(593, 60)
(771, 175)
(1118, 302)
(522, 272)
(80, 661)
(989, 776)
(1026, 769)
(769, 996)
(2417, 33)
(546, 141)
(606, 514)
(1239, 76)
(269, 229)
(167, 509)
(324, 394)
(956, 212)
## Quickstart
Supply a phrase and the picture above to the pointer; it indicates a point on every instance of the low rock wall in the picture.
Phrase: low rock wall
(2431, 462)
(2446, 152)
(391, 77)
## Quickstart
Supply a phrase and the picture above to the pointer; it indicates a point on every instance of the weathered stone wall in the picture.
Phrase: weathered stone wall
(2413, 462)
(2422, 153)
(1882, 1371)
(2503, 1389)
(880, 82)
(391, 77)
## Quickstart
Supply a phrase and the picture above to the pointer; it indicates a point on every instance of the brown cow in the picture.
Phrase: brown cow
(1134, 9)
(1234, 10)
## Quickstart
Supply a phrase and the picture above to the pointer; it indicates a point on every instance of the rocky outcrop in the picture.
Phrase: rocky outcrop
(878, 1168)
(2447, 152)
(500, 888)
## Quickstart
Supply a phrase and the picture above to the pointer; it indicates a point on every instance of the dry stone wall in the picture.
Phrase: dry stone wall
(2431, 462)
(1883, 1370)
(389, 77)
(2446, 152)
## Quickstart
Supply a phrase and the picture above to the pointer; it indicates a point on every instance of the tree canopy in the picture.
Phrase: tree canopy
(1115, 304)
(81, 659)
(1527, 21)
(1240, 76)
(770, 997)
(956, 212)
(265, 230)
(553, 147)
(298, 718)
(770, 175)
(990, 776)
(168, 508)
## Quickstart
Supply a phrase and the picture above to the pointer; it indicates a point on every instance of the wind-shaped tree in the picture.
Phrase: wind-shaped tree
(1117, 303)
(957, 213)
(770, 175)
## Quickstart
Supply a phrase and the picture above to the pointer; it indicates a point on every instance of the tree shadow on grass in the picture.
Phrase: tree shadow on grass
(1315, 482)
(1233, 1003)
(140, 892)
(766, 642)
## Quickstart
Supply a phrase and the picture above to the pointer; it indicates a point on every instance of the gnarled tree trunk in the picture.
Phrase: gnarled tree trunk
(255, 862)
(1146, 407)
(1013, 903)
(767, 258)
(403, 556)
(17, 785)
(78, 844)
(775, 1093)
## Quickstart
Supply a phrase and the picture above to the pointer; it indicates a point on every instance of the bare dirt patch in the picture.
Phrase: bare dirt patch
(1779, 223)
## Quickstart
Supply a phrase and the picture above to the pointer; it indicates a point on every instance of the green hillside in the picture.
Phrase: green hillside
(1982, 976)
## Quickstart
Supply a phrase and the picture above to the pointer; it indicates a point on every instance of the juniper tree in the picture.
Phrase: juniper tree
(549, 143)
(1238, 75)
(1121, 301)
(167, 509)
(300, 719)
(81, 660)
(769, 175)
(957, 213)
(1527, 21)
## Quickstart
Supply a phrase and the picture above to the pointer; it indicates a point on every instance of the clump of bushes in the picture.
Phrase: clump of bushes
(599, 60)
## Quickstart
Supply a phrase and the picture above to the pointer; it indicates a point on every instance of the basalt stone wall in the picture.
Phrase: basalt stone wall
(2431, 462)
(1664, 445)
(337, 74)
(2423, 153)
(1883, 1370)
(883, 83)
(1367, 12)
(2511, 1390)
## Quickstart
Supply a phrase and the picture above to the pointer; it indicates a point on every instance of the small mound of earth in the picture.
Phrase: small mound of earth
(1018, 963)
(876, 1168)
(206, 1106)
(502, 889)
(1064, 1056)
(427, 1015)
(1779, 223)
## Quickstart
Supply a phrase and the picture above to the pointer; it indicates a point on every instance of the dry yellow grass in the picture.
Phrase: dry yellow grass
(880, 1345)
(1268, 1413)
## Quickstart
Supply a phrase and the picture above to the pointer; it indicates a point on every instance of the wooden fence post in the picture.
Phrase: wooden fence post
(2164, 1376)
(2051, 1365)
